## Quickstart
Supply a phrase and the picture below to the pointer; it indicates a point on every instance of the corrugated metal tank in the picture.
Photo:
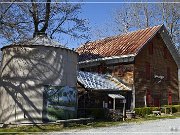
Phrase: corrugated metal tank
(27, 67)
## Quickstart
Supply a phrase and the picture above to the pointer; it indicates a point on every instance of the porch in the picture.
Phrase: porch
(101, 95)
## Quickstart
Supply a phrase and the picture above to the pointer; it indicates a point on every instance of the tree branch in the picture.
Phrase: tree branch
(62, 21)
(6, 10)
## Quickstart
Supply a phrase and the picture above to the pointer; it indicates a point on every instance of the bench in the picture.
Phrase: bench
(156, 112)
(80, 120)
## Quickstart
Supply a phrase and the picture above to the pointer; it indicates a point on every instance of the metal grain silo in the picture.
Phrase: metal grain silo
(30, 71)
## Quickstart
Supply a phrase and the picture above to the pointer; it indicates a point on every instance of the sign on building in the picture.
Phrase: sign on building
(60, 102)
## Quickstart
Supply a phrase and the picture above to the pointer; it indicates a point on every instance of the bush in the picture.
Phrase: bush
(145, 110)
(114, 115)
(148, 110)
(97, 113)
(175, 108)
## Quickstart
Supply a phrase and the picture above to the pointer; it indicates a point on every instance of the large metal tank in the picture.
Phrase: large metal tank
(28, 69)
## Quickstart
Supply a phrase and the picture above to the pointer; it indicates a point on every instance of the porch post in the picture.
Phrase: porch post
(124, 110)
(114, 104)
(133, 97)
(145, 103)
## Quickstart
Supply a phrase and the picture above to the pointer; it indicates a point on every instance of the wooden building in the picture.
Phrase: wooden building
(145, 61)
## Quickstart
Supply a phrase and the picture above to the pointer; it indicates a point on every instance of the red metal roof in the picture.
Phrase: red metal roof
(125, 44)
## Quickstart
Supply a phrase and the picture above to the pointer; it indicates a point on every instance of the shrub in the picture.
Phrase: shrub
(97, 113)
(114, 115)
(148, 110)
(175, 108)
(145, 110)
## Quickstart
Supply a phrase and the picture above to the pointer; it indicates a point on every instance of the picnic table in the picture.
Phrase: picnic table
(156, 112)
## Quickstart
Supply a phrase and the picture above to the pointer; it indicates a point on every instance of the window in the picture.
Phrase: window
(121, 71)
(148, 98)
(168, 74)
(148, 72)
(151, 48)
(102, 69)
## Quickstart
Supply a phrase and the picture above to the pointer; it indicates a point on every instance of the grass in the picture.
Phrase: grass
(95, 124)
(46, 128)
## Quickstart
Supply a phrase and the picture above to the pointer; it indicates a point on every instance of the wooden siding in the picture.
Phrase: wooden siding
(121, 71)
(161, 65)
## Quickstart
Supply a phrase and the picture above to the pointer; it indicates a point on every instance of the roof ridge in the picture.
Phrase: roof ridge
(130, 32)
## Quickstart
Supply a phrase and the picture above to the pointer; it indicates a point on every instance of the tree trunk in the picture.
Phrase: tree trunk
(34, 13)
(48, 11)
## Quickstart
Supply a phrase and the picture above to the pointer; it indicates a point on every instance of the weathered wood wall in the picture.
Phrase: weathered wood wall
(122, 71)
(155, 74)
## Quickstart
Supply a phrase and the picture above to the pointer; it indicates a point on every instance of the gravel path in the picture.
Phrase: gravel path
(163, 126)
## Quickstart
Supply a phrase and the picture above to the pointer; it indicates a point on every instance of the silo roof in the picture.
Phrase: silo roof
(39, 40)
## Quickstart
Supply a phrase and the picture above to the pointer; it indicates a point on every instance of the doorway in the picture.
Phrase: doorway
(156, 102)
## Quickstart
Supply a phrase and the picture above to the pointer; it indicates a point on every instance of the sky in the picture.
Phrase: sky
(97, 15)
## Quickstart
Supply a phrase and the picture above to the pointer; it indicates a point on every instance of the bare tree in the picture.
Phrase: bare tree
(122, 17)
(138, 16)
(20, 19)
(171, 18)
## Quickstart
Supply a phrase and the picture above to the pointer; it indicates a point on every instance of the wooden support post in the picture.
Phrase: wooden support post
(171, 109)
(114, 104)
(165, 110)
(145, 103)
(124, 115)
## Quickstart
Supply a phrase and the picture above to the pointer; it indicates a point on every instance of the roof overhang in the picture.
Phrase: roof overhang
(107, 60)
(116, 96)
(105, 90)
(170, 45)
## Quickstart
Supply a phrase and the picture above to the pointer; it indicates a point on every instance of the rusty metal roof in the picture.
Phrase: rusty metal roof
(125, 44)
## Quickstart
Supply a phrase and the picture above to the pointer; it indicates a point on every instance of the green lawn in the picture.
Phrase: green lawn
(54, 127)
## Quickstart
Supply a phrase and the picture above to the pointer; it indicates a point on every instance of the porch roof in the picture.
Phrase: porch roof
(95, 81)
(116, 96)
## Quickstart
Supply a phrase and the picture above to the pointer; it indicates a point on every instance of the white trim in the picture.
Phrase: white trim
(107, 60)
(116, 96)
